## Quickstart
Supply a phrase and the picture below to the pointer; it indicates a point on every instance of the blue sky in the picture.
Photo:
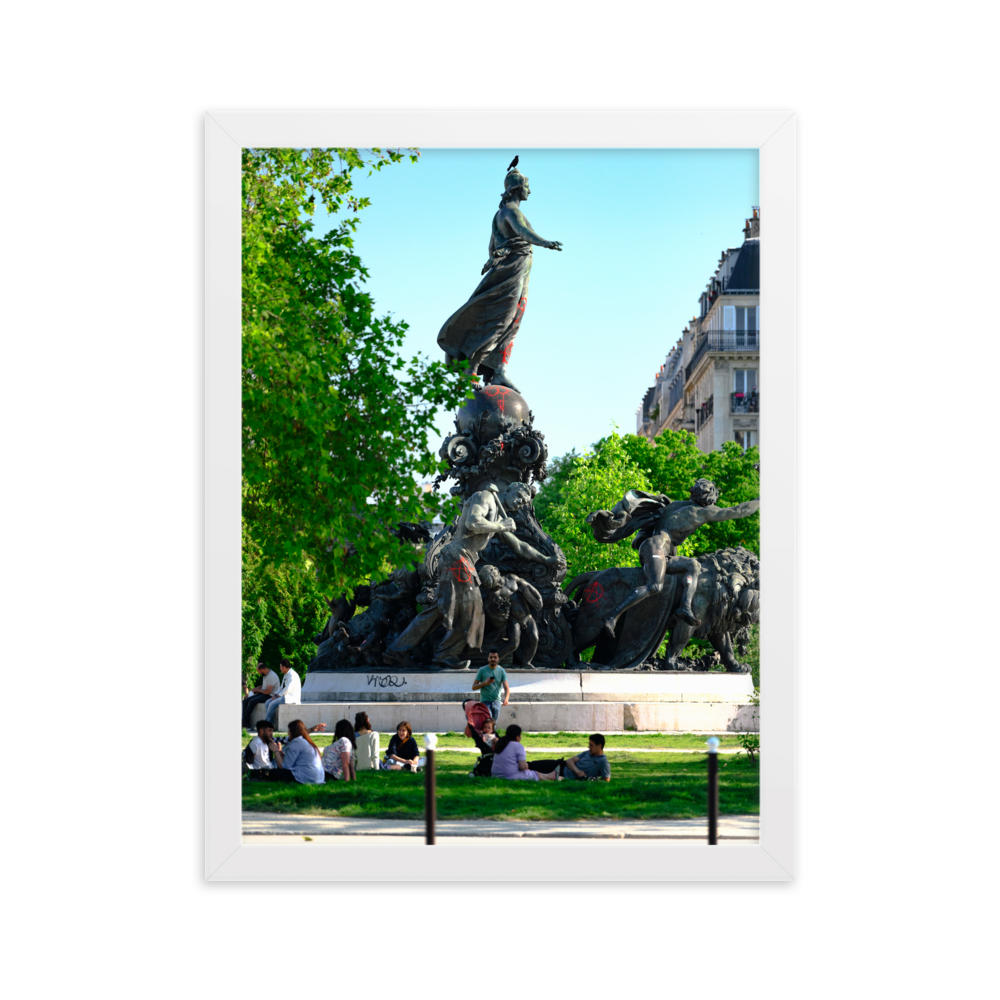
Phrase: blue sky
(641, 230)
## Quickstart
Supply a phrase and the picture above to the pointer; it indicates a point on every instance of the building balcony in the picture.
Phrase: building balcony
(676, 395)
(704, 413)
(741, 402)
(723, 340)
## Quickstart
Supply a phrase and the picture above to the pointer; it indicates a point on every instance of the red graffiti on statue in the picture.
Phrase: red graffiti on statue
(462, 570)
(520, 311)
(593, 592)
(498, 392)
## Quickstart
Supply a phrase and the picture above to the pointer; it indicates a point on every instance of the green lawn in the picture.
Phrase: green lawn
(638, 741)
(642, 786)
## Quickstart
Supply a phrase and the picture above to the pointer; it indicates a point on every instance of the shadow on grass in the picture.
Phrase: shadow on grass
(657, 786)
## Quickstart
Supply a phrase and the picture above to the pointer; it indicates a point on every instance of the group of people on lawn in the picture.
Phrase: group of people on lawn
(353, 748)
(356, 747)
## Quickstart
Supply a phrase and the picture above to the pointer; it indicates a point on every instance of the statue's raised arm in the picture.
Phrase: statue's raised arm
(713, 514)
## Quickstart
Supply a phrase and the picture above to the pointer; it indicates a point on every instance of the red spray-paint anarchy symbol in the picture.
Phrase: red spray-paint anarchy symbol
(461, 571)
(499, 392)
(593, 592)
(522, 302)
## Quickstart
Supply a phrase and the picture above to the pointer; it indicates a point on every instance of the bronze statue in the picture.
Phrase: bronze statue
(662, 525)
(458, 603)
(482, 331)
(510, 604)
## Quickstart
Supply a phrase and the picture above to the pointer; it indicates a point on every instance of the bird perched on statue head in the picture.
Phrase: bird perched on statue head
(513, 163)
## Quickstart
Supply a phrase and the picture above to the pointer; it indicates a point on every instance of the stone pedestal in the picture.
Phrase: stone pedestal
(540, 701)
(529, 685)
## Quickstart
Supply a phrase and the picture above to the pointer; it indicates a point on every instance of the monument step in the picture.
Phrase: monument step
(538, 716)
(529, 686)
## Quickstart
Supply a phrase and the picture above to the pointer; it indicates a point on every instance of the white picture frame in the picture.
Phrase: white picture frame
(227, 858)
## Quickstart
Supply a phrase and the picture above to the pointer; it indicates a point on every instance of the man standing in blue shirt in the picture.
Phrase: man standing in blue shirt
(489, 682)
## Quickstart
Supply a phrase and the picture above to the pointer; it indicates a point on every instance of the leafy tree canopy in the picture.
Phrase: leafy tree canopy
(336, 422)
(672, 464)
(579, 484)
(282, 610)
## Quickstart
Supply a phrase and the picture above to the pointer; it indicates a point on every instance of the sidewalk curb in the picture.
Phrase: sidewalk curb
(734, 828)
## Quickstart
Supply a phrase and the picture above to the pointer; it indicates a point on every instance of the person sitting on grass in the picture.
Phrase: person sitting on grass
(338, 760)
(592, 763)
(301, 760)
(509, 759)
(402, 753)
(263, 752)
(366, 743)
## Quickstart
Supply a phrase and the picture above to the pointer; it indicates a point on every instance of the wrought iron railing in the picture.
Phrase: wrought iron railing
(704, 412)
(723, 340)
(745, 402)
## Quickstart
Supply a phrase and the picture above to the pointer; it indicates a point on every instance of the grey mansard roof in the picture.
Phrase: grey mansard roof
(746, 273)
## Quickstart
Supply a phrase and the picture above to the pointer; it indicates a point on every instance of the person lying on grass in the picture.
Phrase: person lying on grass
(402, 752)
(338, 757)
(509, 759)
(592, 763)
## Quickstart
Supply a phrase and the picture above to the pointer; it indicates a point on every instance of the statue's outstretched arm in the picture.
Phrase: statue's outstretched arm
(526, 551)
(714, 514)
(516, 220)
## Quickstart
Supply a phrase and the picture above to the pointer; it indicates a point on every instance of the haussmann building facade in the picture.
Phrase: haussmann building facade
(710, 381)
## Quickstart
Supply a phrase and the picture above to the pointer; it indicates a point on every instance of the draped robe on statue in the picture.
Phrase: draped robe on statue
(458, 605)
(483, 330)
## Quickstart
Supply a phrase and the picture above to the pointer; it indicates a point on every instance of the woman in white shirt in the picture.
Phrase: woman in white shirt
(338, 759)
(367, 743)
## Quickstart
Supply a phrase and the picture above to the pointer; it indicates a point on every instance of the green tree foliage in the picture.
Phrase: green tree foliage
(282, 610)
(672, 464)
(336, 423)
(752, 656)
(579, 484)
(583, 483)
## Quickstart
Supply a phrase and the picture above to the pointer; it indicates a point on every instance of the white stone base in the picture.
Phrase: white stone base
(530, 686)
(538, 716)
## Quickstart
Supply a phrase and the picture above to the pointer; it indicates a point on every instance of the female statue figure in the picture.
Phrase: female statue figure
(482, 331)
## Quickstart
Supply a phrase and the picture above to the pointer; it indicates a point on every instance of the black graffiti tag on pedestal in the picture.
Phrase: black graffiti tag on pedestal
(386, 680)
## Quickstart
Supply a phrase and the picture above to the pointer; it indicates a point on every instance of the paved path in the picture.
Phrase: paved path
(261, 827)
(576, 749)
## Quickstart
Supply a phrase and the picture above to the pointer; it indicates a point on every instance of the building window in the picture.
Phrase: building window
(745, 380)
(746, 439)
(746, 326)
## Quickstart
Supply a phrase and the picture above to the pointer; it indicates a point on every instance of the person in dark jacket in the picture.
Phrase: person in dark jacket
(402, 752)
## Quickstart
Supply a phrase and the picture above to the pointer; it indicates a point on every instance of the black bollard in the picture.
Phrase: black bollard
(430, 788)
(713, 791)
